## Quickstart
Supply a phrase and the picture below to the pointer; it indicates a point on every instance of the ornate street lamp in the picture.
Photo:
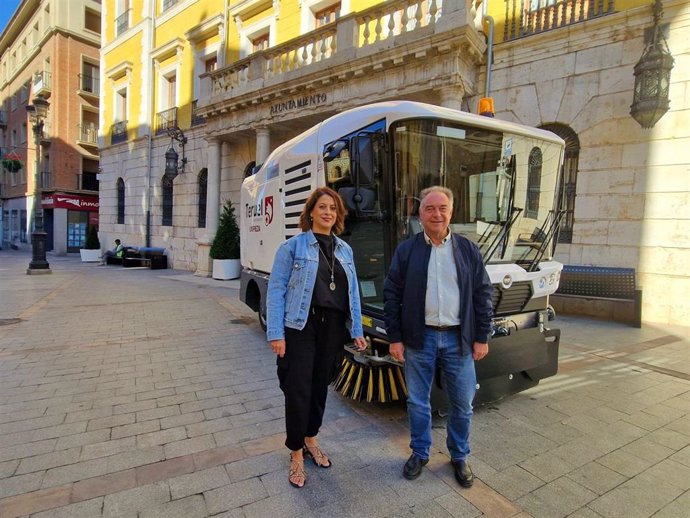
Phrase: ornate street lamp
(171, 156)
(38, 111)
(652, 76)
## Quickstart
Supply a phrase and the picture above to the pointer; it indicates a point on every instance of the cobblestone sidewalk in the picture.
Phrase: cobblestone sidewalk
(138, 393)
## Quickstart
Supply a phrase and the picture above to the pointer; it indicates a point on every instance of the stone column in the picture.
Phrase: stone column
(213, 188)
(203, 263)
(451, 96)
(263, 144)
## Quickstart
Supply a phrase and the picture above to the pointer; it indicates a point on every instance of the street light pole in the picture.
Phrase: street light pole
(37, 113)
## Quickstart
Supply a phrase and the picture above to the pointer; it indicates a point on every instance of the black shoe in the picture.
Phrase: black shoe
(413, 467)
(463, 473)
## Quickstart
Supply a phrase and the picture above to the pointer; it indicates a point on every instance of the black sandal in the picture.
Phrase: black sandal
(316, 456)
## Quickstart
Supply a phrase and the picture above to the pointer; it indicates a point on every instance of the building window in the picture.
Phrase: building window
(260, 42)
(167, 187)
(121, 105)
(120, 201)
(533, 183)
(568, 187)
(327, 15)
(92, 21)
(90, 78)
(202, 182)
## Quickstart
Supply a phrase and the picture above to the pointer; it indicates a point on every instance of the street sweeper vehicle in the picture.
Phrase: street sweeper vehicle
(505, 181)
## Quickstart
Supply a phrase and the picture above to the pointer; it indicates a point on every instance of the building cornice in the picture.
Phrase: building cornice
(207, 28)
(168, 49)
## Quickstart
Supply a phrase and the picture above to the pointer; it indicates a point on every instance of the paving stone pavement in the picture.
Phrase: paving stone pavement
(138, 393)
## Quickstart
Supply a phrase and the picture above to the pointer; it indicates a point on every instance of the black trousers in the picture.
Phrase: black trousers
(311, 359)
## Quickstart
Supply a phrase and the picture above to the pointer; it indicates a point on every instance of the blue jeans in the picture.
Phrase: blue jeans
(442, 348)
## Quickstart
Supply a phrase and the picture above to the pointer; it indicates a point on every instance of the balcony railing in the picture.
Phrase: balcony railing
(87, 181)
(196, 118)
(118, 132)
(42, 83)
(122, 23)
(46, 180)
(165, 120)
(88, 133)
(357, 34)
(524, 18)
(90, 84)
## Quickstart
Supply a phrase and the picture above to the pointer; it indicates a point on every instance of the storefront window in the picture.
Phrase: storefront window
(77, 223)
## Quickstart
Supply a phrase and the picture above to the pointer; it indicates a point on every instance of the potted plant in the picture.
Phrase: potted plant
(11, 162)
(91, 253)
(225, 250)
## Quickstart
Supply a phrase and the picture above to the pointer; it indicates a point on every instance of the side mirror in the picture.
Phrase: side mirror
(333, 150)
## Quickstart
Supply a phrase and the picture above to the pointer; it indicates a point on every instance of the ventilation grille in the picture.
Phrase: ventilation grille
(296, 189)
(513, 299)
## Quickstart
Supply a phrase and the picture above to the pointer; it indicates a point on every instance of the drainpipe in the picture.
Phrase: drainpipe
(148, 191)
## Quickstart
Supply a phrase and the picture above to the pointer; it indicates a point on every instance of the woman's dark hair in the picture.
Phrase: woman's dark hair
(341, 211)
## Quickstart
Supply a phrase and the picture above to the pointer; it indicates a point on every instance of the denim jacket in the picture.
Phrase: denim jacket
(291, 285)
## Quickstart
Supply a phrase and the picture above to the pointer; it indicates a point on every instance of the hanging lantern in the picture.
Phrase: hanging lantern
(171, 157)
(652, 77)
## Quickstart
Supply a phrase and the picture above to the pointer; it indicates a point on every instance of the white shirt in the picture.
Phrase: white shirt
(442, 303)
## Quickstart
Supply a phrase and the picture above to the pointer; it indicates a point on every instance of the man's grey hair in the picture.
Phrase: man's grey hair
(436, 188)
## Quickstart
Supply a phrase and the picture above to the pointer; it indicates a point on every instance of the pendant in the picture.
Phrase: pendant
(332, 286)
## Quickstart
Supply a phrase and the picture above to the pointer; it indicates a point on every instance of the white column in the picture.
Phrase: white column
(213, 188)
(451, 97)
(263, 144)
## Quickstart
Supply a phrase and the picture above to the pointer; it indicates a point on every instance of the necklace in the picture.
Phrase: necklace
(331, 267)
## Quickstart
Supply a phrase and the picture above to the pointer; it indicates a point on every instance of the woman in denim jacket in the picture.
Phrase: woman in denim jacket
(313, 298)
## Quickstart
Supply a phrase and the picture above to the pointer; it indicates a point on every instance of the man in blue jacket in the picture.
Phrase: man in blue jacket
(438, 309)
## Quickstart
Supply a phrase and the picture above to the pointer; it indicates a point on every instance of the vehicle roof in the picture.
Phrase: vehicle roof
(400, 110)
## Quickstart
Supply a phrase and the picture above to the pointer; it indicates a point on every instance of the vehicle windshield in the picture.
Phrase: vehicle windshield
(504, 185)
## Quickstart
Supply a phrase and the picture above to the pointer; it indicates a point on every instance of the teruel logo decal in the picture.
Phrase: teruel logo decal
(268, 209)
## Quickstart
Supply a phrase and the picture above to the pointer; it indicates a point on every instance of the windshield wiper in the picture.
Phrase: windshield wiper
(502, 234)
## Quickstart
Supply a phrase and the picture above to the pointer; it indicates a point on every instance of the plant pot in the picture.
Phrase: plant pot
(89, 256)
(225, 269)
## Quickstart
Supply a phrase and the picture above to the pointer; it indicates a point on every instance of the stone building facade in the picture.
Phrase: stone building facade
(632, 187)
(246, 81)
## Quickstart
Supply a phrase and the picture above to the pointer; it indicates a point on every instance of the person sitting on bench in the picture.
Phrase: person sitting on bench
(118, 251)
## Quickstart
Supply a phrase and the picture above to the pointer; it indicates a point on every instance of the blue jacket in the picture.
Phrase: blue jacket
(291, 285)
(404, 292)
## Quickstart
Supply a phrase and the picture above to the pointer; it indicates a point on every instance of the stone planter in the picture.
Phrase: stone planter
(226, 269)
(89, 256)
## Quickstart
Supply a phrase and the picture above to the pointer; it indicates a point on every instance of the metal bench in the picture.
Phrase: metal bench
(603, 291)
(153, 258)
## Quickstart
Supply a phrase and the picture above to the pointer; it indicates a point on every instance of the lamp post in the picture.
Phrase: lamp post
(172, 164)
(37, 114)
(652, 76)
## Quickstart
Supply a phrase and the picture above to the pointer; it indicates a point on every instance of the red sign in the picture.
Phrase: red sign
(70, 201)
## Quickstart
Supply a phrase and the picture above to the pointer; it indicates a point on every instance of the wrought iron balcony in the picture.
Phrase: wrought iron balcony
(42, 84)
(89, 84)
(88, 134)
(118, 132)
(165, 120)
(167, 4)
(525, 17)
(122, 23)
(87, 181)
(196, 117)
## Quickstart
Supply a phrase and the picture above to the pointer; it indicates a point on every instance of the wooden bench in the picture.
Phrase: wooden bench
(152, 258)
(599, 291)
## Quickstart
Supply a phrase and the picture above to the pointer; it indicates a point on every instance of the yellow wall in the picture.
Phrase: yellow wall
(131, 49)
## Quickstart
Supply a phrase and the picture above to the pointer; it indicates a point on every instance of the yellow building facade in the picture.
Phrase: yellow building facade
(235, 79)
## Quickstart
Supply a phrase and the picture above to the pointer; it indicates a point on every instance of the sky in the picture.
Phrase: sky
(7, 8)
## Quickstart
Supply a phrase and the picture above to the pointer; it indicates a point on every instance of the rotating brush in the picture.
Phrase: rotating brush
(366, 376)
